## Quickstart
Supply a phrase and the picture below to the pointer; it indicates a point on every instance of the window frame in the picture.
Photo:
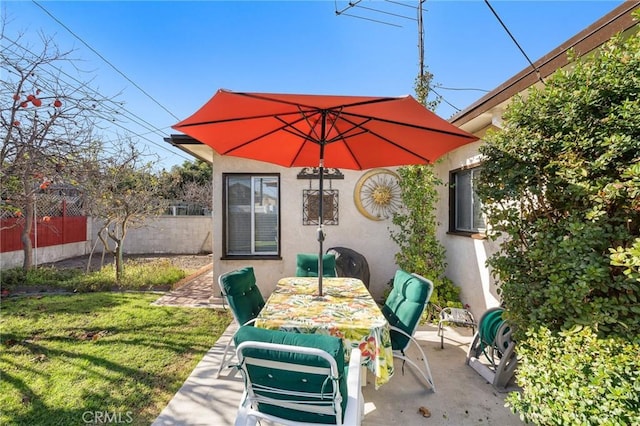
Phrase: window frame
(453, 204)
(225, 218)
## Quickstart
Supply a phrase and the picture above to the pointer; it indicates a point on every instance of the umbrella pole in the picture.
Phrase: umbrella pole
(320, 239)
(321, 199)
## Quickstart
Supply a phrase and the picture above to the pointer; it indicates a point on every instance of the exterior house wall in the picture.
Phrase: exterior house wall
(466, 255)
(369, 238)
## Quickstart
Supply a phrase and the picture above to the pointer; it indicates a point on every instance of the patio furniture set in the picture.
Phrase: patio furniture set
(302, 356)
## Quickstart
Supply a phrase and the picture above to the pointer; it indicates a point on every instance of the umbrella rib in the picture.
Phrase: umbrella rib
(285, 128)
(415, 126)
(245, 118)
(298, 104)
(345, 139)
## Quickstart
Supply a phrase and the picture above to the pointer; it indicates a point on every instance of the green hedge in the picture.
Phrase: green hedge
(576, 378)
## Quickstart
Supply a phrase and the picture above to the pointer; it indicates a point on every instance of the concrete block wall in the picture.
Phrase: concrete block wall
(164, 234)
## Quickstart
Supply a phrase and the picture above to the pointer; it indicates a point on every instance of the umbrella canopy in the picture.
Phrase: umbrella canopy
(355, 132)
(301, 130)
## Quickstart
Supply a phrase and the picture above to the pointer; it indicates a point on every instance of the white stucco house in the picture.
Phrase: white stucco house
(280, 198)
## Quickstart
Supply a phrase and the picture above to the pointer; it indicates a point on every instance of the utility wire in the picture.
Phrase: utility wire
(515, 41)
(444, 99)
(386, 13)
(117, 107)
(464, 89)
(369, 19)
(104, 59)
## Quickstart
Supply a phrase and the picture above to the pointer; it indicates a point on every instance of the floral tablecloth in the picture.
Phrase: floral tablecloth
(346, 310)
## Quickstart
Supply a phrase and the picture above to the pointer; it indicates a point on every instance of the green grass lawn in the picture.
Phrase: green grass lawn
(65, 358)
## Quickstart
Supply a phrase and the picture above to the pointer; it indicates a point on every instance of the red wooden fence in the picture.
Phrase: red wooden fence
(54, 231)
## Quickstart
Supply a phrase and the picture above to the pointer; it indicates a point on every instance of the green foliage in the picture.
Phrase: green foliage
(561, 185)
(419, 250)
(423, 90)
(188, 183)
(137, 276)
(628, 258)
(35, 277)
(575, 378)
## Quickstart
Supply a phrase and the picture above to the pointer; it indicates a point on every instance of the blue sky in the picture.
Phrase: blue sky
(180, 53)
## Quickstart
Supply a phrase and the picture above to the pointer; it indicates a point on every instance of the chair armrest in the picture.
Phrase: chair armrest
(355, 403)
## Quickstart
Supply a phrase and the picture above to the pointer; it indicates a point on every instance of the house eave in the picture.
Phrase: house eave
(481, 113)
(192, 147)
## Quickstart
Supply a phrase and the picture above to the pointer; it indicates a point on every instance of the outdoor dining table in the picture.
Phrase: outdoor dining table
(345, 310)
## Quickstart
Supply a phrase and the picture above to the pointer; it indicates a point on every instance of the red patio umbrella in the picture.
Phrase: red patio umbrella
(296, 130)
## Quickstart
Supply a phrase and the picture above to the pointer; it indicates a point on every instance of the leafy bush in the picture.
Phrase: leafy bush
(561, 184)
(561, 187)
(575, 378)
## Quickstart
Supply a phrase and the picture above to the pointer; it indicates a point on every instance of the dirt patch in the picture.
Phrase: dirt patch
(187, 262)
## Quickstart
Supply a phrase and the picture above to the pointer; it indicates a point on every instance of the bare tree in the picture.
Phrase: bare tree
(48, 119)
(122, 191)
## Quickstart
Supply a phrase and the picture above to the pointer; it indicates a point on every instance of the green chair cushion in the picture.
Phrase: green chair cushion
(307, 265)
(404, 306)
(291, 380)
(243, 294)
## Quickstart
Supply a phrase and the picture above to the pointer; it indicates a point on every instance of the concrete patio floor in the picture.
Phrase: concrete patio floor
(463, 397)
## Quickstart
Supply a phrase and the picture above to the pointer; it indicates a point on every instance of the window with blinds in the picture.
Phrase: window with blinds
(252, 212)
(464, 204)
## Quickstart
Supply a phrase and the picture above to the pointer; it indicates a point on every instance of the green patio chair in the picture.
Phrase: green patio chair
(403, 309)
(307, 265)
(241, 292)
(297, 379)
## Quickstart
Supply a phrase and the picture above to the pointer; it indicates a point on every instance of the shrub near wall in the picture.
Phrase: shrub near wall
(576, 378)
(561, 182)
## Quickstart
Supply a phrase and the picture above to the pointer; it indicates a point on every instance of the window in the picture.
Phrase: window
(464, 205)
(251, 220)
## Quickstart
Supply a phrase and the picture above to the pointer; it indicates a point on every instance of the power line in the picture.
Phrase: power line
(444, 99)
(105, 60)
(515, 41)
(464, 89)
(117, 107)
(356, 5)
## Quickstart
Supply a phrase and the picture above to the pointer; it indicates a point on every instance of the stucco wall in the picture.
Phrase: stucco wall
(370, 238)
(466, 256)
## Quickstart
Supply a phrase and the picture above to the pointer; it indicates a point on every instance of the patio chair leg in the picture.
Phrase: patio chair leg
(426, 374)
(224, 361)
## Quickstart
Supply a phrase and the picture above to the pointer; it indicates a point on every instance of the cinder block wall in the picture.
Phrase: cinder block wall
(164, 234)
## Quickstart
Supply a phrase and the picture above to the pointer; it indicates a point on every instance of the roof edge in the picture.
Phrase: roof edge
(616, 21)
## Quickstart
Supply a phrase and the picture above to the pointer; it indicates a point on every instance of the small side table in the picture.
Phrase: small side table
(457, 316)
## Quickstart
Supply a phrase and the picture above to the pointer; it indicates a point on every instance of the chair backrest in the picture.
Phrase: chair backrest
(405, 304)
(293, 376)
(350, 263)
(307, 265)
(240, 290)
